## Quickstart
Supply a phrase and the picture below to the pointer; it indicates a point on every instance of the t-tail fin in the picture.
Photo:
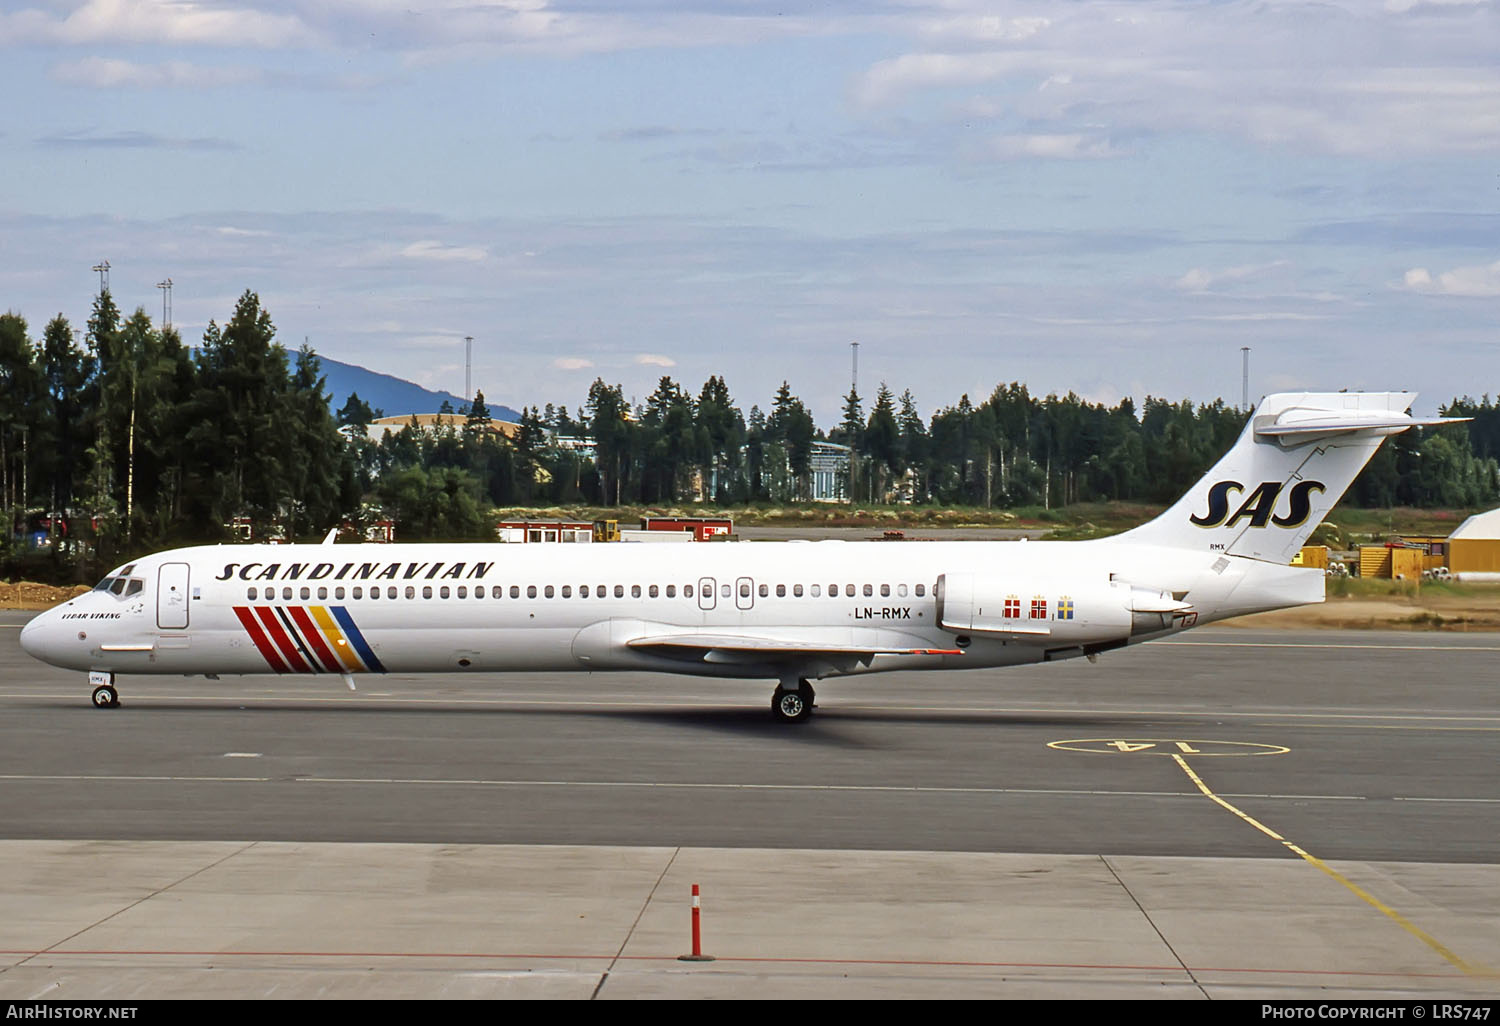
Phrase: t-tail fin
(1293, 462)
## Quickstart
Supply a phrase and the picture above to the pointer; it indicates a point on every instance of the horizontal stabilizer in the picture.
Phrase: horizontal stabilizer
(1296, 426)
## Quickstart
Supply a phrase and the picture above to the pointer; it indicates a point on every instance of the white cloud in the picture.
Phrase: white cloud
(1339, 77)
(157, 22)
(1068, 146)
(572, 363)
(655, 360)
(431, 249)
(1481, 281)
(1200, 279)
(105, 73)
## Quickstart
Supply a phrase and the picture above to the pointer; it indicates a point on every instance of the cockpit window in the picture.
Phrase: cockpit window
(121, 585)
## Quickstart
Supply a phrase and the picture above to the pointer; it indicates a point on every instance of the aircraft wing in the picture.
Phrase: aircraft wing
(740, 648)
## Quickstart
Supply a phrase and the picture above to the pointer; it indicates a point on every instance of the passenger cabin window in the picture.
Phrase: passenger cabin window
(796, 591)
(252, 594)
(921, 590)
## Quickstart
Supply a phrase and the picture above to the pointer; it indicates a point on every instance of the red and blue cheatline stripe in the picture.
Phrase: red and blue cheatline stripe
(298, 639)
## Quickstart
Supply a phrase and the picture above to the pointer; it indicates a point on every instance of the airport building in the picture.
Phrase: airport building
(432, 423)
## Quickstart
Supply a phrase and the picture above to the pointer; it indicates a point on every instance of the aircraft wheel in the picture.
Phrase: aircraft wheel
(106, 697)
(791, 706)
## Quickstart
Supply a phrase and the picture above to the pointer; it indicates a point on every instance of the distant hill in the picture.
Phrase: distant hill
(393, 395)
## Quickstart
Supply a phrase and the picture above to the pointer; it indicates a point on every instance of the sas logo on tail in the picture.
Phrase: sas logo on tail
(1259, 506)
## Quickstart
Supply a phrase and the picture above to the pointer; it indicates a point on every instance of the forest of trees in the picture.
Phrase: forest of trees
(142, 442)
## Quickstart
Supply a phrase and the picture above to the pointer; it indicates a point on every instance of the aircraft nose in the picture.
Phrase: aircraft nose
(32, 637)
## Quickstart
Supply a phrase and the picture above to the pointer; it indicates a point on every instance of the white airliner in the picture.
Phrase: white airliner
(791, 612)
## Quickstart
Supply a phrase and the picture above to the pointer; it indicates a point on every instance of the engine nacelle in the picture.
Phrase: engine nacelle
(1076, 612)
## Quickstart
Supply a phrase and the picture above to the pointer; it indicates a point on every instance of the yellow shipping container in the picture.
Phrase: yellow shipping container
(1312, 556)
(1374, 561)
(1406, 564)
(1387, 562)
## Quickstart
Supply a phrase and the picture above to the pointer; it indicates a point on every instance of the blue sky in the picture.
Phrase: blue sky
(1104, 197)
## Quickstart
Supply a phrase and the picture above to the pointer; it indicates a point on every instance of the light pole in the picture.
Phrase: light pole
(1245, 382)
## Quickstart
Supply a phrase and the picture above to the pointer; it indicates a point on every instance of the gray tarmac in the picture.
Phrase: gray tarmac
(1233, 814)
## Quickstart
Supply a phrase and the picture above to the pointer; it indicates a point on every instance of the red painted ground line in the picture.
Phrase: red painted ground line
(747, 958)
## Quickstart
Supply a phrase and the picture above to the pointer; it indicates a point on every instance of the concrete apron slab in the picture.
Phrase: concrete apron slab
(139, 920)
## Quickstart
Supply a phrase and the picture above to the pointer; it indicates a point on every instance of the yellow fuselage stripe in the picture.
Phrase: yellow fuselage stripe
(336, 637)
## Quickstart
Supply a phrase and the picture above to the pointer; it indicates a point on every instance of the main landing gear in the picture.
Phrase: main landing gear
(106, 695)
(793, 705)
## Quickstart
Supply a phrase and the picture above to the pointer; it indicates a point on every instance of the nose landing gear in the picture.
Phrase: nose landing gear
(106, 695)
